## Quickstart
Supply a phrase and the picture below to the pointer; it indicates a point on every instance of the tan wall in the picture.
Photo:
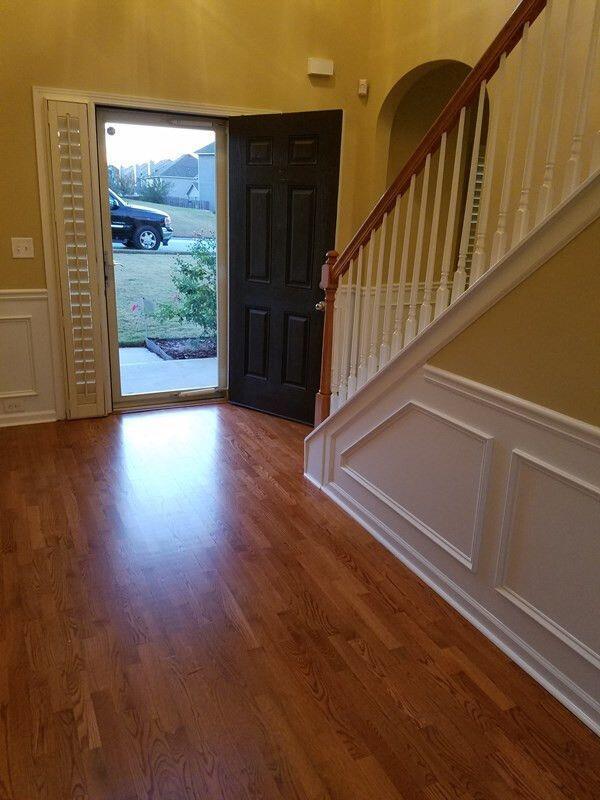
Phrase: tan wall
(239, 52)
(242, 52)
(542, 341)
(235, 53)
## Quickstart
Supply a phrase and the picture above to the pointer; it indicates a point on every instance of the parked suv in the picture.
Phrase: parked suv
(136, 226)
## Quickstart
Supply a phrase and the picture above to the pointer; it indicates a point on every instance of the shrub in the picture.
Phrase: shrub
(195, 279)
(155, 190)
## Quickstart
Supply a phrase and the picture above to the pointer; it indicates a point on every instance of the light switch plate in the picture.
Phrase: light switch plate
(22, 247)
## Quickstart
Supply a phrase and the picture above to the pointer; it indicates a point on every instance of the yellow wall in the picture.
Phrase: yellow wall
(237, 52)
(240, 52)
(542, 341)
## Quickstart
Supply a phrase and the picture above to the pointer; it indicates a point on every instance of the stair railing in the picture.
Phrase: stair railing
(456, 208)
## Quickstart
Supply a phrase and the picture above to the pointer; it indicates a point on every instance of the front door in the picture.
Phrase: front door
(283, 179)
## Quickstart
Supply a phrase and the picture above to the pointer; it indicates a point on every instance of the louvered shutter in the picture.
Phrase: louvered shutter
(77, 262)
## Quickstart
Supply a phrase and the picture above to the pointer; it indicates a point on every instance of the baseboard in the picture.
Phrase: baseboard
(27, 418)
(582, 705)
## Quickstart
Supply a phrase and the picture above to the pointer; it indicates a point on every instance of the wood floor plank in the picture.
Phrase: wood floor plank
(183, 615)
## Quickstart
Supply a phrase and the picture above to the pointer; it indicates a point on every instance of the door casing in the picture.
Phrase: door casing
(93, 100)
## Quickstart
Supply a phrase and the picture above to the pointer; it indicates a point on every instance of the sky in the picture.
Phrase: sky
(136, 144)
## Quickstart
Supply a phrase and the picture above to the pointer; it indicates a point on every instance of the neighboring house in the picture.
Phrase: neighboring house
(137, 173)
(191, 177)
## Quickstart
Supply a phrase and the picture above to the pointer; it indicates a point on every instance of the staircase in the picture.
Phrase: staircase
(493, 500)
(417, 252)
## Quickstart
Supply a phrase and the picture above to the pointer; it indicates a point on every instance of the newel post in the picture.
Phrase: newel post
(329, 283)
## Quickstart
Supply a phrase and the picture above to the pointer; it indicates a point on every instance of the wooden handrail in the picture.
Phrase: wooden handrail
(505, 42)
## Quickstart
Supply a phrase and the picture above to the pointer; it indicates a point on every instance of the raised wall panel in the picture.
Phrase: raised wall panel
(549, 562)
(295, 351)
(258, 228)
(257, 342)
(301, 216)
(303, 150)
(260, 152)
(17, 370)
(432, 471)
(26, 364)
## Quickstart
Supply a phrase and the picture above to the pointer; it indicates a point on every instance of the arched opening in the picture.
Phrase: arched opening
(423, 94)
(409, 110)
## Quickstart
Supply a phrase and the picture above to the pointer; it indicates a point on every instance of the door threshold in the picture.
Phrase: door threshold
(211, 396)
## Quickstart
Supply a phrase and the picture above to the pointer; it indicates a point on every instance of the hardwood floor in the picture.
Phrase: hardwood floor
(184, 616)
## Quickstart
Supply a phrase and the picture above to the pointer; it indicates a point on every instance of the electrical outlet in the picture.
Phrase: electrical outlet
(13, 406)
(22, 247)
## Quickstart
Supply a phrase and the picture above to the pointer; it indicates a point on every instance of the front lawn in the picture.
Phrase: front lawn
(140, 276)
(187, 221)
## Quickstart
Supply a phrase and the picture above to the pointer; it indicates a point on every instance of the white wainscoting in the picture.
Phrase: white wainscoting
(493, 501)
(26, 374)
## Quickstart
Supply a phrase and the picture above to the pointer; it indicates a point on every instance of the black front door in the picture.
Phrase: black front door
(284, 171)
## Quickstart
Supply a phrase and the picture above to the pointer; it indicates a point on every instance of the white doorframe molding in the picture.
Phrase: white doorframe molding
(41, 95)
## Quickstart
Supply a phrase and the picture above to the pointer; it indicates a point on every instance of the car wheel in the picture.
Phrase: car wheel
(147, 238)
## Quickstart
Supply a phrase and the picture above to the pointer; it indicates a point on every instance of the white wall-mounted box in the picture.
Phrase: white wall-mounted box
(320, 66)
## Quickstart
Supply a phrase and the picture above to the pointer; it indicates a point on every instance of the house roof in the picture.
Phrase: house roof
(207, 150)
(185, 166)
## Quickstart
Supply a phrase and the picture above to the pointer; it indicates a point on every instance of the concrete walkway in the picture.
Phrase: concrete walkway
(143, 372)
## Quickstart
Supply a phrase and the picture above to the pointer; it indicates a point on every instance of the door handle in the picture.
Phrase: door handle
(320, 306)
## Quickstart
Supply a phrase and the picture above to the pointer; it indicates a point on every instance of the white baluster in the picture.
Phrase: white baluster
(338, 306)
(361, 375)
(344, 293)
(459, 279)
(547, 188)
(355, 323)
(478, 262)
(443, 293)
(573, 168)
(384, 350)
(501, 236)
(521, 223)
(372, 362)
(595, 161)
(399, 315)
(411, 321)
(426, 309)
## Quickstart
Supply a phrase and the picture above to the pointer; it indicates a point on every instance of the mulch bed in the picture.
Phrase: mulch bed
(196, 347)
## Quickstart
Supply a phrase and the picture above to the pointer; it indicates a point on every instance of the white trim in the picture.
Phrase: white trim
(470, 559)
(23, 294)
(41, 95)
(560, 227)
(583, 705)
(518, 458)
(541, 416)
(26, 418)
(141, 102)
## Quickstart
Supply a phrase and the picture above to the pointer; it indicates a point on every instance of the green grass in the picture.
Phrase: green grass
(187, 221)
(146, 275)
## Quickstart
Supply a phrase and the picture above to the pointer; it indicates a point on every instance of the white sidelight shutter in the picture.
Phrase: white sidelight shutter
(77, 257)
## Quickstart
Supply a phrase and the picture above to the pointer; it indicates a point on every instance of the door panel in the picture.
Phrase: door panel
(257, 342)
(284, 172)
